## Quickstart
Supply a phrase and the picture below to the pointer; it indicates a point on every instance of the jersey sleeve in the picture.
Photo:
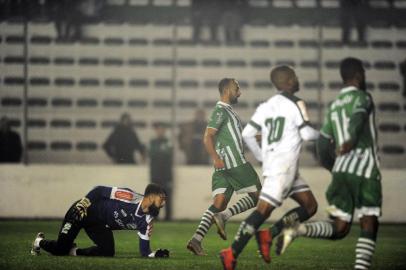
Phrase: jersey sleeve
(99, 193)
(145, 231)
(217, 118)
(327, 128)
(301, 117)
(257, 119)
(144, 235)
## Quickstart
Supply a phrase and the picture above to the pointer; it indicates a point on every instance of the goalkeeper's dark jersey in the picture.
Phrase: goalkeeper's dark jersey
(120, 209)
(362, 160)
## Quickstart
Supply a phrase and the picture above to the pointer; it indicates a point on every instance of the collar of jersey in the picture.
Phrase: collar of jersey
(348, 89)
(138, 210)
(224, 104)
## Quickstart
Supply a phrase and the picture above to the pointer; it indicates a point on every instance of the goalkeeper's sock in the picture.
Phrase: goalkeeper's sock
(246, 231)
(205, 223)
(364, 250)
(299, 214)
(317, 229)
(242, 205)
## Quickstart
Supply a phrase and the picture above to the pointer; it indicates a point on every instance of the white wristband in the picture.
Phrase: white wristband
(151, 255)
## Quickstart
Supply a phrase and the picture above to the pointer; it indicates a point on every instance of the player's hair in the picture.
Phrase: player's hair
(349, 67)
(154, 189)
(223, 84)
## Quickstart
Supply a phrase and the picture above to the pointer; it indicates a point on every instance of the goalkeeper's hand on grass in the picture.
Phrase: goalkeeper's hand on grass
(79, 211)
(159, 253)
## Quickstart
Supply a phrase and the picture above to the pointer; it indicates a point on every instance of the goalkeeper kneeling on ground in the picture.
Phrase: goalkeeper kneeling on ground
(101, 211)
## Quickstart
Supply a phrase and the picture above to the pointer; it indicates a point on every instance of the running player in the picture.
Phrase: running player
(356, 183)
(283, 123)
(102, 210)
(223, 142)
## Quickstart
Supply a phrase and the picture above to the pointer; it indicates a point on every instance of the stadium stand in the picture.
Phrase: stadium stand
(77, 90)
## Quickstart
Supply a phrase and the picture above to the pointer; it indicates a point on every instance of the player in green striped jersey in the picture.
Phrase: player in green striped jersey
(356, 183)
(223, 142)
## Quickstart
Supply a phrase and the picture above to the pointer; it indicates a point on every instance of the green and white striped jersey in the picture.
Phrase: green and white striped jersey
(363, 159)
(228, 143)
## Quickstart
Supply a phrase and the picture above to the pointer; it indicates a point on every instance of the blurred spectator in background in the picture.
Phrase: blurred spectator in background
(10, 143)
(391, 3)
(402, 68)
(353, 12)
(161, 164)
(63, 17)
(191, 139)
(209, 12)
(70, 15)
(123, 142)
(12, 8)
(233, 20)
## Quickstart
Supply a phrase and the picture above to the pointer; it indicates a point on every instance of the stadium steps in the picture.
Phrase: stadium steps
(70, 79)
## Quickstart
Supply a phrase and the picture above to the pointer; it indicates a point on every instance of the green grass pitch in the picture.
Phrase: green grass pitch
(16, 238)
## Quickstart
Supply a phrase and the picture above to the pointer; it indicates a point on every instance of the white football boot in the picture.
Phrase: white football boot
(287, 236)
(35, 249)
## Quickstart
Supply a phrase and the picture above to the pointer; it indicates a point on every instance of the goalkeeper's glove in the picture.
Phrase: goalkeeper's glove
(159, 253)
(79, 211)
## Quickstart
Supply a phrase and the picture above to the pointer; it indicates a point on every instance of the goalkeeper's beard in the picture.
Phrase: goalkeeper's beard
(153, 210)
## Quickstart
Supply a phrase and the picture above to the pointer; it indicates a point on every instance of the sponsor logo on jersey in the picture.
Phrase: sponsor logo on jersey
(119, 222)
(123, 195)
(132, 226)
(341, 102)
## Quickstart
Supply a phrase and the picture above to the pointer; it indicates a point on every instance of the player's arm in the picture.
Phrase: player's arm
(100, 193)
(216, 120)
(325, 152)
(306, 131)
(249, 135)
(144, 244)
(325, 144)
(145, 249)
(209, 142)
(79, 211)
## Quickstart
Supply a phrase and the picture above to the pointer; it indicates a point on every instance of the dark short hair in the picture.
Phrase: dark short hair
(154, 189)
(224, 83)
(349, 67)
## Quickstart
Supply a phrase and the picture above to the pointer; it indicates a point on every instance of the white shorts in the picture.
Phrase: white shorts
(278, 187)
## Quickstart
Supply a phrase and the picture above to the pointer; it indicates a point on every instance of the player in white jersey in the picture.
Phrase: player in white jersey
(283, 123)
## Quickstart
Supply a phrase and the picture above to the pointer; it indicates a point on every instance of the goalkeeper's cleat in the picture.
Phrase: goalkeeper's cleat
(264, 240)
(227, 259)
(220, 222)
(195, 246)
(286, 238)
(35, 249)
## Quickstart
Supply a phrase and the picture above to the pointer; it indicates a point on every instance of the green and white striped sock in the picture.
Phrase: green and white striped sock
(364, 250)
(205, 223)
(242, 205)
(318, 229)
